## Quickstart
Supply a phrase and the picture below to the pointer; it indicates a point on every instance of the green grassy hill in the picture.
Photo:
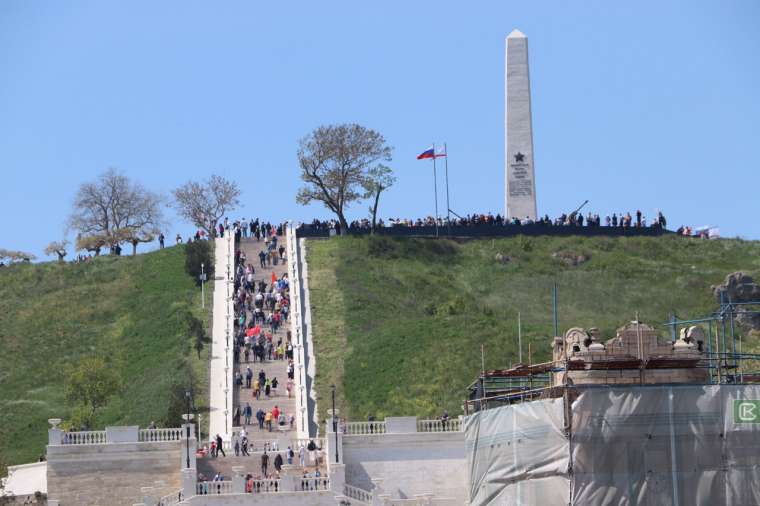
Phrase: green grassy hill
(131, 311)
(398, 323)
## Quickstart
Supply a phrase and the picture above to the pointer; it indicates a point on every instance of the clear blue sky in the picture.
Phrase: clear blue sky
(651, 105)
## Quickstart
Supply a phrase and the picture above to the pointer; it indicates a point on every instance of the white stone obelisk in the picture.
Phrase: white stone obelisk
(520, 187)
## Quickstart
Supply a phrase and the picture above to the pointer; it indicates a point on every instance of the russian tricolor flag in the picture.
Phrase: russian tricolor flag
(431, 152)
(428, 153)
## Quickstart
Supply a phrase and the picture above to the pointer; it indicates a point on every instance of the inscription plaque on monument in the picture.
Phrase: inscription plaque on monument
(520, 182)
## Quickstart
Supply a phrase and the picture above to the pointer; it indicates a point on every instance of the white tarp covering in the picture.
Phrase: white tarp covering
(665, 445)
(650, 445)
(518, 455)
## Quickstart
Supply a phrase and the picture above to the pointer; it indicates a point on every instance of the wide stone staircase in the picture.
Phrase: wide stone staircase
(279, 437)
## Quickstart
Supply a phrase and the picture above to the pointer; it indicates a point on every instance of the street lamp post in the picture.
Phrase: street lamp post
(203, 297)
(187, 427)
(334, 424)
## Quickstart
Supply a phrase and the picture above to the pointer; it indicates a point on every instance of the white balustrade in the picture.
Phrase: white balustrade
(451, 425)
(358, 494)
(259, 445)
(315, 484)
(268, 485)
(155, 435)
(319, 441)
(91, 437)
(214, 487)
(362, 428)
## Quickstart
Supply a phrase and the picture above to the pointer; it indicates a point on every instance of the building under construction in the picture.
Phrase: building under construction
(635, 419)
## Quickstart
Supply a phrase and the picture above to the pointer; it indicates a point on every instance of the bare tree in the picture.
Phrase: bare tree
(335, 161)
(11, 256)
(114, 204)
(57, 248)
(378, 179)
(92, 243)
(136, 237)
(205, 203)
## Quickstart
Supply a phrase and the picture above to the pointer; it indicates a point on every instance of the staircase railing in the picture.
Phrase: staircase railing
(357, 494)
(362, 428)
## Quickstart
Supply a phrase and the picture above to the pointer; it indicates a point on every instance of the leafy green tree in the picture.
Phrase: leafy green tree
(335, 162)
(197, 253)
(377, 180)
(88, 386)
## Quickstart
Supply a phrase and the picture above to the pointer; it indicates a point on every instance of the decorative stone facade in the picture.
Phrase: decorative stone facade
(634, 356)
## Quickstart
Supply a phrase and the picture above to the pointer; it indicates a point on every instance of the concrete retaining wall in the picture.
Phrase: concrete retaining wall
(111, 474)
(409, 464)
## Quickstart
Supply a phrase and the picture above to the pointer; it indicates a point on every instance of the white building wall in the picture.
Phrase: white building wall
(409, 464)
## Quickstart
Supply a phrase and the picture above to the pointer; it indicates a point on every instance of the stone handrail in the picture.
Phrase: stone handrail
(319, 441)
(153, 435)
(315, 484)
(273, 445)
(171, 499)
(303, 356)
(361, 428)
(267, 485)
(357, 494)
(451, 425)
(91, 437)
(214, 487)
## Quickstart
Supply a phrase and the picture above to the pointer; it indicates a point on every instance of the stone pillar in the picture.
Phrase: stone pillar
(189, 483)
(337, 478)
(148, 495)
(378, 495)
(330, 445)
(520, 187)
(290, 478)
(238, 480)
(55, 435)
(184, 446)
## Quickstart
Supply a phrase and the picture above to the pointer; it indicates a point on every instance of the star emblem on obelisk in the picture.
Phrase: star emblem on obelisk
(519, 157)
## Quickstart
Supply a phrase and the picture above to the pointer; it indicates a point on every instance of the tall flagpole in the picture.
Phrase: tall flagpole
(448, 207)
(435, 189)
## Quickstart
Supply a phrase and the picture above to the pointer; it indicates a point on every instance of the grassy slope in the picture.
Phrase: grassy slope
(125, 309)
(398, 323)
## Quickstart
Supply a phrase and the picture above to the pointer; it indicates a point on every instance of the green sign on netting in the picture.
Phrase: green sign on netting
(746, 411)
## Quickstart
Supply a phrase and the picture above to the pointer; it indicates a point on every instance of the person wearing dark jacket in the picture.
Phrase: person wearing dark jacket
(278, 463)
(219, 445)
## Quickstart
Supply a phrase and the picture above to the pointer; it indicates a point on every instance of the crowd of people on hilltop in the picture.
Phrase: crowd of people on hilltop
(242, 228)
(575, 219)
